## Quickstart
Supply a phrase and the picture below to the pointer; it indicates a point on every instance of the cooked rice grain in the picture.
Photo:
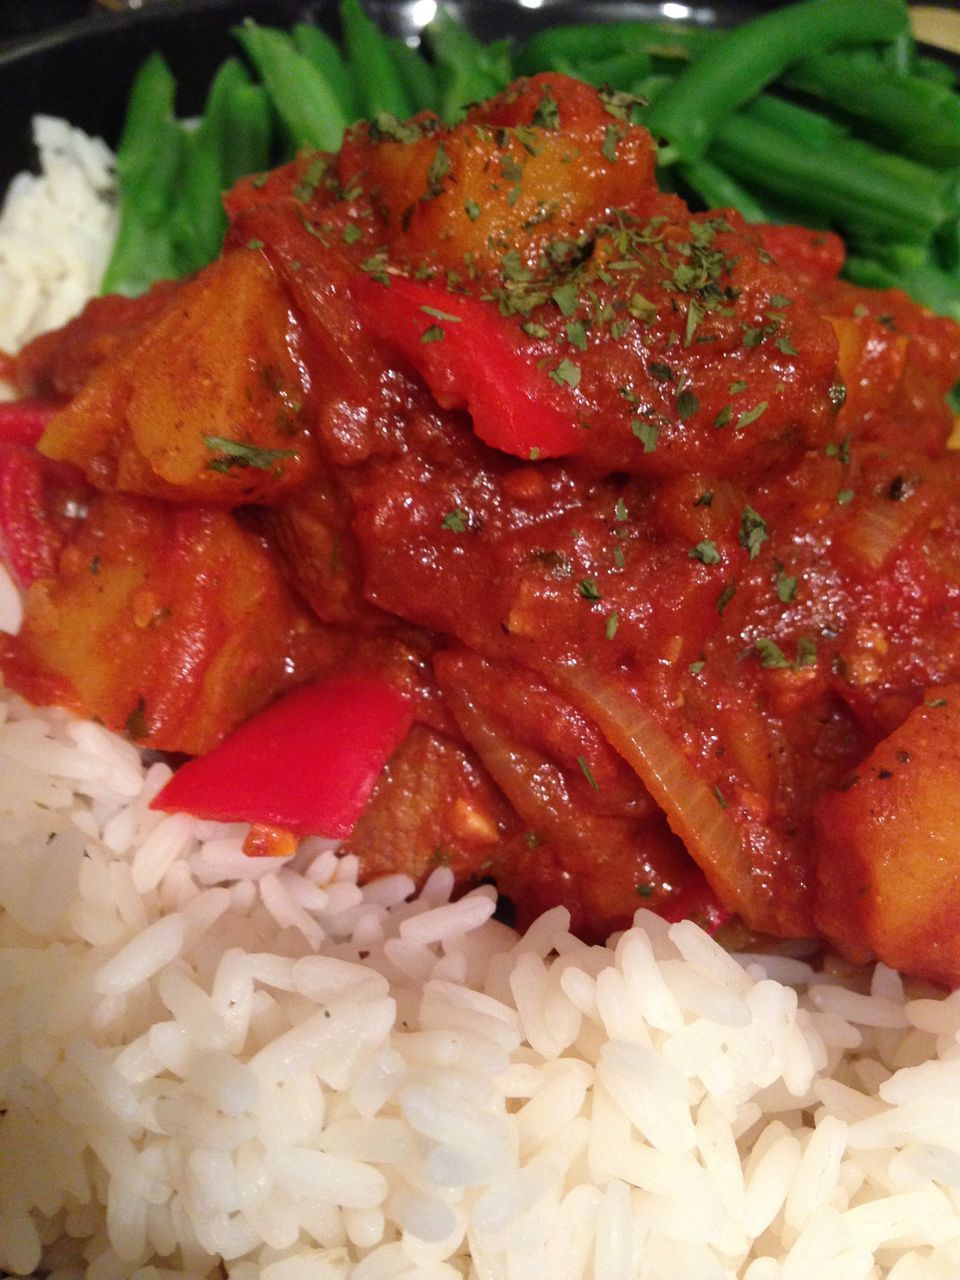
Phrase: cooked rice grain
(308, 1078)
(56, 231)
(205, 1057)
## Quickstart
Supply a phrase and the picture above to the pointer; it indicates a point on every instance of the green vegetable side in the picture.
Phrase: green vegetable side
(823, 112)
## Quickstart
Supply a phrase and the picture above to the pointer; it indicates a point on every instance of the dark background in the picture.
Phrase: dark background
(76, 58)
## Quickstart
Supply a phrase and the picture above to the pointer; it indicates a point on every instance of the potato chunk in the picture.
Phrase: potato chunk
(171, 623)
(207, 402)
(889, 868)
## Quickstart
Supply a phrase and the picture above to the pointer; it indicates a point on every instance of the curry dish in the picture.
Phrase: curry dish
(645, 517)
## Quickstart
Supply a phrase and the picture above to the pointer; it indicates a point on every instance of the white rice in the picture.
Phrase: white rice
(208, 1061)
(56, 230)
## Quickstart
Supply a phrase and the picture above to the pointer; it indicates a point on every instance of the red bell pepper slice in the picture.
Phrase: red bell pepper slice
(38, 499)
(473, 365)
(307, 763)
(23, 421)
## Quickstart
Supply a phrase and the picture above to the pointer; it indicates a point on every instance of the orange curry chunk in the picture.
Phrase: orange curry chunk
(207, 401)
(170, 624)
(651, 515)
(889, 873)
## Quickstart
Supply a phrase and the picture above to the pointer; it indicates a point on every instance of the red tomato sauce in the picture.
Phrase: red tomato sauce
(649, 516)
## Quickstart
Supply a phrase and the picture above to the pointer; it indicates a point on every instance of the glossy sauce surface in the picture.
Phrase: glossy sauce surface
(651, 514)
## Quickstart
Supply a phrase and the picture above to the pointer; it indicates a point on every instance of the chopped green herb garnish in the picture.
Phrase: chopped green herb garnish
(706, 552)
(726, 595)
(753, 532)
(233, 453)
(786, 588)
(611, 624)
(441, 315)
(433, 334)
(806, 652)
(457, 521)
(624, 106)
(472, 210)
(648, 433)
(581, 761)
(751, 415)
(547, 114)
(770, 654)
(611, 139)
(385, 127)
(567, 298)
(589, 589)
(566, 374)
(577, 334)
(438, 171)
(642, 308)
(845, 496)
(687, 405)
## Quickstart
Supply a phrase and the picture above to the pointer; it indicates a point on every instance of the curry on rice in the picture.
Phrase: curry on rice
(645, 519)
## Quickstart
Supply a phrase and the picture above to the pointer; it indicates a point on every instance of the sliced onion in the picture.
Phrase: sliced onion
(691, 807)
(879, 529)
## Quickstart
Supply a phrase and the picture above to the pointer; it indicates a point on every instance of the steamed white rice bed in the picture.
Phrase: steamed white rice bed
(56, 229)
(204, 1057)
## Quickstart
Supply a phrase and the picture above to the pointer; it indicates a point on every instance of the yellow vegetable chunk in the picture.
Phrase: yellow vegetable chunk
(889, 866)
(171, 623)
(207, 402)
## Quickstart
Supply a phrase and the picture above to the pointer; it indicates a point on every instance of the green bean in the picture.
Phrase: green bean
(916, 115)
(418, 75)
(374, 71)
(718, 190)
(817, 130)
(595, 42)
(148, 161)
(800, 122)
(148, 155)
(947, 245)
(621, 71)
(198, 223)
(141, 256)
(862, 198)
(936, 182)
(213, 156)
(736, 67)
(936, 71)
(925, 282)
(323, 52)
(247, 132)
(307, 106)
(468, 71)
